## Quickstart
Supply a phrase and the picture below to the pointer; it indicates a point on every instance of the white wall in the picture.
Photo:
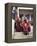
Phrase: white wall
(2, 23)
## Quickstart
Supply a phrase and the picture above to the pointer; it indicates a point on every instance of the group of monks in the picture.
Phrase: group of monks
(22, 26)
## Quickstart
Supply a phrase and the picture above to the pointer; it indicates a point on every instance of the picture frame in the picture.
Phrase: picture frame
(8, 22)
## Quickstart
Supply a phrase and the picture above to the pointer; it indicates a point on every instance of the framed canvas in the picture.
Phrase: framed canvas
(20, 22)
